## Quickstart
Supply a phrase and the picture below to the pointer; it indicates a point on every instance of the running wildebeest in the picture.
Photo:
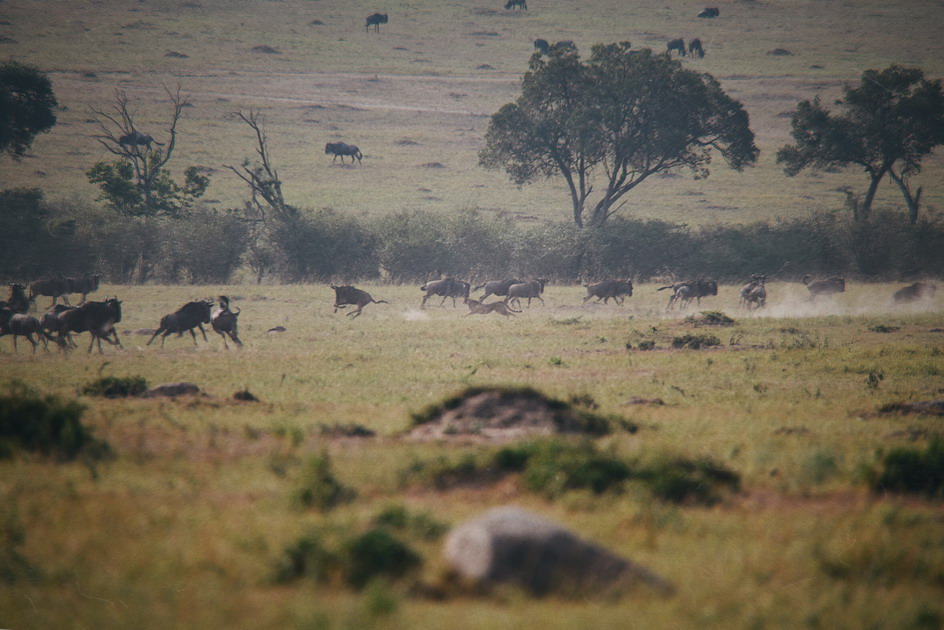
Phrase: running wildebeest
(826, 287)
(345, 295)
(521, 4)
(477, 308)
(677, 45)
(531, 290)
(97, 318)
(496, 287)
(189, 316)
(52, 322)
(375, 20)
(914, 292)
(447, 288)
(754, 294)
(136, 138)
(709, 12)
(342, 149)
(224, 322)
(22, 325)
(684, 292)
(607, 289)
(695, 48)
(17, 302)
(50, 287)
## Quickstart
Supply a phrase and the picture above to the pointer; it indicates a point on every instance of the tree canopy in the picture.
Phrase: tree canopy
(608, 124)
(27, 106)
(885, 125)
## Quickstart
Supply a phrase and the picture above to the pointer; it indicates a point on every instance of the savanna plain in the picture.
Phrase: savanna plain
(195, 518)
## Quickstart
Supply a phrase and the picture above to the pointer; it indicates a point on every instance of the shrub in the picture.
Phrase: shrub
(420, 525)
(116, 387)
(320, 489)
(698, 481)
(49, 425)
(307, 557)
(910, 471)
(553, 467)
(695, 342)
(377, 553)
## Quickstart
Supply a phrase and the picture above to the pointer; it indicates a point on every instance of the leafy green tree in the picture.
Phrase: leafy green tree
(886, 125)
(27, 106)
(607, 125)
(138, 183)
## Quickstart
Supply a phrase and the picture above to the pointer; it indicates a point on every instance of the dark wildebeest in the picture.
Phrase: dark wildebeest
(521, 4)
(136, 138)
(189, 316)
(342, 149)
(709, 12)
(754, 293)
(224, 322)
(826, 287)
(531, 290)
(677, 45)
(375, 20)
(542, 46)
(84, 285)
(347, 294)
(50, 287)
(447, 288)
(607, 289)
(17, 302)
(685, 292)
(52, 322)
(914, 292)
(695, 48)
(565, 44)
(96, 318)
(21, 325)
(496, 287)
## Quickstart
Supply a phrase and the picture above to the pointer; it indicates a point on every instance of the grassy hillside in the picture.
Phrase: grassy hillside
(416, 96)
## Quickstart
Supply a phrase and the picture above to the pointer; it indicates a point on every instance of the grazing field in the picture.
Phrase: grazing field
(189, 522)
(417, 95)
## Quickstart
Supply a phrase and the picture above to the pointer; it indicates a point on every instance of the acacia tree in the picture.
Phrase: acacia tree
(607, 125)
(27, 106)
(138, 182)
(886, 125)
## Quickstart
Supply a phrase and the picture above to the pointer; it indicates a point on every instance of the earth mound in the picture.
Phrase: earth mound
(503, 414)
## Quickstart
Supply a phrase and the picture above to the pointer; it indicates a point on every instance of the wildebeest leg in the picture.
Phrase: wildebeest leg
(353, 314)
(156, 333)
(235, 339)
(200, 326)
(194, 335)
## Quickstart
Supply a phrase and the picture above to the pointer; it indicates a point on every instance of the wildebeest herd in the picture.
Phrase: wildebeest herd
(62, 320)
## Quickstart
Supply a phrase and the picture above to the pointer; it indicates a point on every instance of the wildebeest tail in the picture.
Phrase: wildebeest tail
(668, 287)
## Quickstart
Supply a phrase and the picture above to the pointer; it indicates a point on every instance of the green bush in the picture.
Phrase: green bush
(320, 489)
(694, 342)
(910, 471)
(49, 425)
(116, 387)
(421, 525)
(679, 480)
(307, 557)
(377, 553)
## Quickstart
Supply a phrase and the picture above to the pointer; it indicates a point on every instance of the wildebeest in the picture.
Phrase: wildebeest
(754, 293)
(52, 322)
(84, 285)
(565, 44)
(677, 45)
(21, 325)
(224, 322)
(542, 46)
(17, 302)
(685, 292)
(50, 287)
(136, 138)
(914, 292)
(496, 287)
(347, 294)
(607, 289)
(695, 48)
(96, 318)
(189, 316)
(342, 149)
(826, 287)
(531, 290)
(521, 4)
(709, 12)
(375, 20)
(447, 288)
(477, 308)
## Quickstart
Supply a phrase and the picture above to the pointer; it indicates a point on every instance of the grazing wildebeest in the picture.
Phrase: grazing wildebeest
(531, 290)
(684, 292)
(826, 287)
(342, 149)
(52, 322)
(347, 294)
(50, 287)
(709, 12)
(542, 46)
(521, 4)
(97, 318)
(375, 20)
(695, 48)
(754, 293)
(496, 287)
(189, 316)
(677, 45)
(17, 302)
(224, 321)
(84, 285)
(136, 138)
(914, 292)
(607, 289)
(477, 308)
(447, 288)
(21, 325)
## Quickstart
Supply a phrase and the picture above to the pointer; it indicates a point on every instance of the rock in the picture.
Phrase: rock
(172, 390)
(510, 545)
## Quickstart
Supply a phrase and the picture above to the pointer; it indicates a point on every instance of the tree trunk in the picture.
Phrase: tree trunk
(913, 201)
(866, 206)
